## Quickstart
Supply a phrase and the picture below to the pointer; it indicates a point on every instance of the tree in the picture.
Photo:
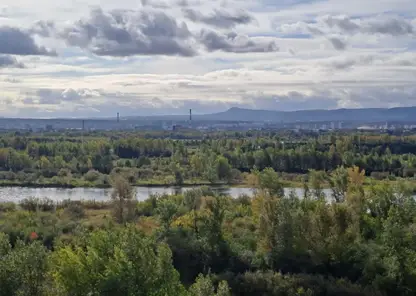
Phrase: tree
(178, 177)
(116, 262)
(339, 184)
(197, 164)
(356, 176)
(44, 163)
(122, 197)
(223, 168)
(203, 286)
(22, 269)
(269, 181)
(167, 210)
(316, 179)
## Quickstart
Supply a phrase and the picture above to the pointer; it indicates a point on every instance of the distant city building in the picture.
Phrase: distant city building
(366, 128)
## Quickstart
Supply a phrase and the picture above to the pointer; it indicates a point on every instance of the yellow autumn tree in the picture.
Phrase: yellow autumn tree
(356, 176)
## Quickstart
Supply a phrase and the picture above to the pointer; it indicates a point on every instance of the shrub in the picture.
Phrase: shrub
(64, 173)
(7, 176)
(7, 207)
(32, 204)
(380, 175)
(92, 176)
(75, 210)
(96, 205)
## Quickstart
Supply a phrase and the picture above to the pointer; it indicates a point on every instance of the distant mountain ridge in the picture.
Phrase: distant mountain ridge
(365, 115)
(400, 114)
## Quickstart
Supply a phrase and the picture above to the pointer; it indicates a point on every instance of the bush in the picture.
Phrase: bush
(92, 176)
(7, 176)
(269, 283)
(380, 175)
(7, 207)
(96, 205)
(75, 210)
(32, 204)
(64, 173)
(147, 207)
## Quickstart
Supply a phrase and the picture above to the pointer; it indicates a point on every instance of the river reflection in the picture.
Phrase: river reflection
(16, 194)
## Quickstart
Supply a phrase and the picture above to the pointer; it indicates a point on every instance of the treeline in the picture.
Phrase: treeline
(360, 242)
(89, 160)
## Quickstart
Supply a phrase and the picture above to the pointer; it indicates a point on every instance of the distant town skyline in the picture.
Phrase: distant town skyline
(94, 58)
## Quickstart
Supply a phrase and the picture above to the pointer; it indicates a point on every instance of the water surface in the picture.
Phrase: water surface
(16, 194)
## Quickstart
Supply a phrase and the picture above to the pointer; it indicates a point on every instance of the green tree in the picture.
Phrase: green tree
(122, 196)
(167, 209)
(223, 168)
(339, 184)
(203, 286)
(316, 180)
(269, 181)
(116, 262)
(22, 268)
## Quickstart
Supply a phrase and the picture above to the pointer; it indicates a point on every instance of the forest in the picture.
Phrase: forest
(361, 241)
(89, 160)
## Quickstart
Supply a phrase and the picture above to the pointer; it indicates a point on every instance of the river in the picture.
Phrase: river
(15, 194)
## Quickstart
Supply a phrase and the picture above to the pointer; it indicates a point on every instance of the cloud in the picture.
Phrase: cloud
(291, 101)
(219, 18)
(337, 43)
(46, 96)
(384, 26)
(18, 42)
(7, 61)
(43, 28)
(378, 38)
(379, 60)
(342, 22)
(234, 43)
(127, 33)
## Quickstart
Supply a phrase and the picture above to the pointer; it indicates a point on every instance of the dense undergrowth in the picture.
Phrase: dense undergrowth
(361, 242)
(69, 160)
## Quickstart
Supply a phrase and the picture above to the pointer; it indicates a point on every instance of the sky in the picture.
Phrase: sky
(150, 57)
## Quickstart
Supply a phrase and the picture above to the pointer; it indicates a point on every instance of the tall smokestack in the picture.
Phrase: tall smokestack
(118, 117)
(190, 114)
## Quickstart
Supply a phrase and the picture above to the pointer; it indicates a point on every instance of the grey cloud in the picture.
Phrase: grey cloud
(7, 61)
(12, 80)
(393, 27)
(127, 33)
(17, 42)
(384, 26)
(337, 43)
(314, 30)
(383, 97)
(183, 3)
(347, 63)
(29, 101)
(292, 101)
(234, 43)
(342, 22)
(154, 4)
(43, 28)
(219, 18)
(131, 104)
(396, 60)
(57, 96)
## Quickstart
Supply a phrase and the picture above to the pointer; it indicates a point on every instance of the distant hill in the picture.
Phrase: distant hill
(358, 115)
(368, 115)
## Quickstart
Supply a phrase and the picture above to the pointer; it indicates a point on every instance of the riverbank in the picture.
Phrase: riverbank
(78, 183)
